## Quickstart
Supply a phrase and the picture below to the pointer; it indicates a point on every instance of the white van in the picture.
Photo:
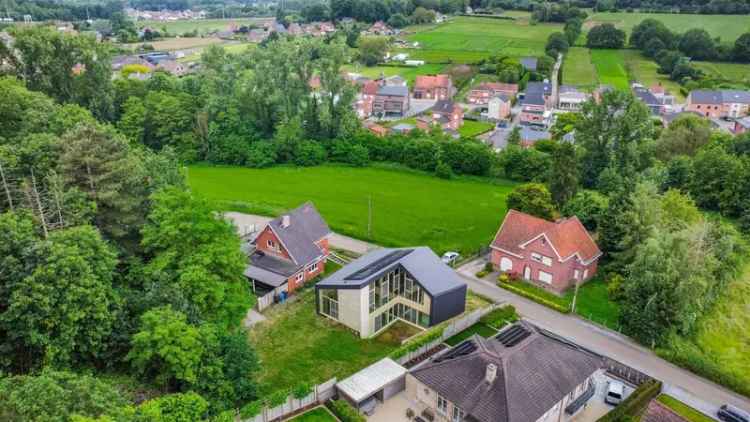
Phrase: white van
(615, 393)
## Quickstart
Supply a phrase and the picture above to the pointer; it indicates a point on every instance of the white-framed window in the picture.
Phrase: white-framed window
(541, 258)
(271, 243)
(312, 267)
(576, 274)
(300, 277)
(442, 405)
(458, 414)
(545, 277)
(506, 264)
(585, 273)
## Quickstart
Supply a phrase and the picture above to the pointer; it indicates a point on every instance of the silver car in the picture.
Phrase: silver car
(615, 393)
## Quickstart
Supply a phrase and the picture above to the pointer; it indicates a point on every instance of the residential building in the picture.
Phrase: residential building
(523, 374)
(438, 87)
(499, 107)
(386, 285)
(484, 92)
(391, 100)
(655, 102)
(448, 115)
(402, 128)
(742, 125)
(173, 67)
(366, 98)
(529, 63)
(290, 251)
(554, 255)
(530, 135)
(536, 104)
(571, 99)
(380, 28)
(721, 103)
(377, 129)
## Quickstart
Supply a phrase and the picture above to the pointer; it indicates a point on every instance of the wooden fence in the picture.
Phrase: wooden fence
(320, 394)
(625, 372)
(265, 301)
(449, 331)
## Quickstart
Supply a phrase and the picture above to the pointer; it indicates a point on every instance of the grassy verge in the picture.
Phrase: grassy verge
(593, 303)
(478, 328)
(319, 414)
(471, 128)
(541, 296)
(682, 409)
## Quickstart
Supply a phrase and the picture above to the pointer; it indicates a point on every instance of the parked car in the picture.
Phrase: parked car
(615, 392)
(729, 413)
(449, 258)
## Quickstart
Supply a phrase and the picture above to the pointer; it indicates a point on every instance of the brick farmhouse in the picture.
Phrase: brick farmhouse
(290, 251)
(437, 87)
(722, 103)
(553, 255)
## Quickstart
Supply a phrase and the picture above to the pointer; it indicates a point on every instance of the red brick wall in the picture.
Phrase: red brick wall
(292, 282)
(262, 244)
(708, 110)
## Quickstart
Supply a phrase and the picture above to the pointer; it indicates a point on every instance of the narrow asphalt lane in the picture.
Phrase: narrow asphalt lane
(707, 395)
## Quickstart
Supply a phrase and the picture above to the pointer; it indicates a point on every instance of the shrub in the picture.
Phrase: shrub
(538, 299)
(300, 391)
(252, 409)
(277, 398)
(345, 411)
(309, 153)
(443, 170)
(635, 403)
(500, 317)
(481, 274)
(488, 267)
(261, 154)
(428, 337)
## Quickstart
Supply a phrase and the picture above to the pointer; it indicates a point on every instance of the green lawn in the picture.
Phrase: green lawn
(728, 27)
(229, 48)
(319, 414)
(578, 68)
(408, 73)
(593, 303)
(683, 409)
(478, 328)
(408, 208)
(734, 72)
(296, 345)
(644, 70)
(202, 25)
(610, 66)
(468, 39)
(472, 128)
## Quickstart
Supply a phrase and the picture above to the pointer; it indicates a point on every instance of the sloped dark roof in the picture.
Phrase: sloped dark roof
(394, 90)
(705, 97)
(306, 227)
(532, 376)
(444, 106)
(426, 267)
(529, 63)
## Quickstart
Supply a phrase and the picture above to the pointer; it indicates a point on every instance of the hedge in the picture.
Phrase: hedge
(635, 403)
(428, 337)
(500, 317)
(535, 298)
(345, 411)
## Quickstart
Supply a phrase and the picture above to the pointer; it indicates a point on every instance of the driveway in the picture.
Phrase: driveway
(249, 223)
(693, 389)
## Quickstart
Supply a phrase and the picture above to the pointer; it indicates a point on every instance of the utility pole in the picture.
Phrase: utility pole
(369, 217)
(575, 297)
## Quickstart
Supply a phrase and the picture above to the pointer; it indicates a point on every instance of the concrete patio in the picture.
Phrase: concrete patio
(393, 410)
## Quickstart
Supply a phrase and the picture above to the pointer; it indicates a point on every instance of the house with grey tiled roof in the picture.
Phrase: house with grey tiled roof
(719, 103)
(290, 251)
(523, 374)
(391, 100)
(387, 285)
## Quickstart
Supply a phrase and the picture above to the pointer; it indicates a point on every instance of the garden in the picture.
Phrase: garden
(461, 214)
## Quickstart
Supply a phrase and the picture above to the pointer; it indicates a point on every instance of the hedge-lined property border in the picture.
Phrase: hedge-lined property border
(538, 299)
(635, 403)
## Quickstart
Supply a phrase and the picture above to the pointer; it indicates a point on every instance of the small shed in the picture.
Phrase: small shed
(379, 381)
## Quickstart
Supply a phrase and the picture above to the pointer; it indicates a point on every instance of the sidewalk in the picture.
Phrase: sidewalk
(605, 342)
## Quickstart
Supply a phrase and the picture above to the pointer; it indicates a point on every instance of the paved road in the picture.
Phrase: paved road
(249, 223)
(703, 394)
(555, 87)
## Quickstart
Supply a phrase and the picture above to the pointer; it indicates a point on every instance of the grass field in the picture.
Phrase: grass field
(319, 414)
(682, 409)
(408, 208)
(170, 44)
(202, 25)
(578, 69)
(644, 70)
(408, 73)
(728, 27)
(471, 128)
(467, 39)
(610, 67)
(229, 48)
(735, 72)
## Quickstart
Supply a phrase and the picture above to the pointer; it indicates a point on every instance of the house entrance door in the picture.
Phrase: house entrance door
(527, 273)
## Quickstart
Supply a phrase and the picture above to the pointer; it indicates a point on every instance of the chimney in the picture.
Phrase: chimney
(285, 221)
(491, 373)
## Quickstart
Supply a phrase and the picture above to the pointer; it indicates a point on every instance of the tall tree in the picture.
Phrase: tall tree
(563, 181)
(534, 199)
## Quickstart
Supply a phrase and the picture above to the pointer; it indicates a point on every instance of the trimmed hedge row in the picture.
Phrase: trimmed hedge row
(428, 337)
(345, 411)
(500, 317)
(635, 403)
(535, 298)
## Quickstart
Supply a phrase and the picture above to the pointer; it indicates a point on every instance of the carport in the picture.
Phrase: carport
(376, 383)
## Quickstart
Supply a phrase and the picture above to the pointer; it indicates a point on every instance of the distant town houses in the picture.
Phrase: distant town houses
(724, 103)
(570, 99)
(554, 255)
(482, 93)
(438, 87)
(289, 252)
(380, 28)
(165, 15)
(444, 114)
(499, 107)
(391, 101)
(386, 285)
(157, 60)
(536, 104)
(742, 125)
(655, 98)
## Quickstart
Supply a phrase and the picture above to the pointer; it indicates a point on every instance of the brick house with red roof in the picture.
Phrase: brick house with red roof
(482, 93)
(552, 255)
(437, 87)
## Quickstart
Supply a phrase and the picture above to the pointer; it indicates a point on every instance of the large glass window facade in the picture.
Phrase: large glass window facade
(395, 283)
(401, 311)
(329, 303)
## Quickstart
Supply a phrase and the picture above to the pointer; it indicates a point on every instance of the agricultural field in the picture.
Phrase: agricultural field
(416, 209)
(728, 27)
(578, 69)
(467, 39)
(610, 67)
(203, 26)
(408, 73)
(735, 72)
(170, 44)
(644, 70)
(233, 48)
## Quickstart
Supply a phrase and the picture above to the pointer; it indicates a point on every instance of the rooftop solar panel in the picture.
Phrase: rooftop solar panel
(462, 349)
(513, 335)
(378, 265)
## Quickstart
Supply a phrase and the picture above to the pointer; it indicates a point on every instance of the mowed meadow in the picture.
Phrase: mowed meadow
(727, 27)
(408, 208)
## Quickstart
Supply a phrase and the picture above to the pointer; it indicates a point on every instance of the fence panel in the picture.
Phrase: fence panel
(265, 301)
(319, 395)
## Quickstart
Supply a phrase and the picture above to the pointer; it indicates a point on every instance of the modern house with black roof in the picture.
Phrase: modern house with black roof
(386, 285)
(523, 374)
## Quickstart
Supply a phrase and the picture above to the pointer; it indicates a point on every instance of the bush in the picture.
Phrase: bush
(488, 267)
(428, 337)
(300, 391)
(538, 299)
(481, 274)
(261, 154)
(345, 411)
(635, 403)
(500, 317)
(309, 153)
(252, 409)
(443, 170)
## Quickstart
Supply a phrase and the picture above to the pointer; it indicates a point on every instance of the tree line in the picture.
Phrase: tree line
(738, 7)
